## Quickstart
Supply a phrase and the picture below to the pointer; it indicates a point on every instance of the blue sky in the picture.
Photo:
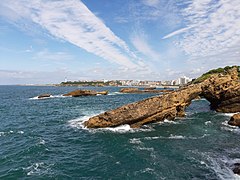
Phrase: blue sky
(44, 41)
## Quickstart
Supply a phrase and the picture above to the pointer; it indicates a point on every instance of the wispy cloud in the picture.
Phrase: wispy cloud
(140, 42)
(72, 21)
(213, 28)
(52, 56)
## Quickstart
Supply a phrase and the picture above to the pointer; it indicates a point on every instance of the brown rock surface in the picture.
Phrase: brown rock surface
(78, 93)
(235, 120)
(223, 92)
(149, 110)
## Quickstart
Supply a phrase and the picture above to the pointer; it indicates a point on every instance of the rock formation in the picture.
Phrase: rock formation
(222, 90)
(79, 92)
(44, 96)
(235, 120)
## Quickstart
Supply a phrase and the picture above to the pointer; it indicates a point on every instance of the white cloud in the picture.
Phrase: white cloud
(152, 3)
(140, 42)
(177, 32)
(52, 56)
(73, 22)
(213, 28)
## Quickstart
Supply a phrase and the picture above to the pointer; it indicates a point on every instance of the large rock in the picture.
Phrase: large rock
(158, 108)
(223, 92)
(129, 90)
(78, 93)
(235, 120)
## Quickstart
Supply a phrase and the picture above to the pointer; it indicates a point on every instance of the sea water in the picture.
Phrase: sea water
(46, 139)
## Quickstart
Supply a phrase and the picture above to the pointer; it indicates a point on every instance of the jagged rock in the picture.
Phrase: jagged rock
(150, 88)
(223, 92)
(158, 108)
(129, 90)
(235, 120)
(236, 168)
(103, 93)
(78, 93)
(44, 96)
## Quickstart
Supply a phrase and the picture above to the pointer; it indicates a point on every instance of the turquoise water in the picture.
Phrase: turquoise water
(44, 139)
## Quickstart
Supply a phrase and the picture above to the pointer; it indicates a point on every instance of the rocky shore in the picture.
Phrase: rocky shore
(221, 90)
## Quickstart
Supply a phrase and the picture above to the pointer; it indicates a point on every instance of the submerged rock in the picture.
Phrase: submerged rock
(235, 120)
(44, 96)
(222, 91)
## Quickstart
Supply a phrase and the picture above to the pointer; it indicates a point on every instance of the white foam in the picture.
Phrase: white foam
(227, 127)
(208, 122)
(51, 97)
(176, 137)
(170, 122)
(20, 132)
(230, 114)
(114, 93)
(135, 141)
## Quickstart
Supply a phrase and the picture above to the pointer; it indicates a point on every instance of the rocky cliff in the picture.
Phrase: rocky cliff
(222, 90)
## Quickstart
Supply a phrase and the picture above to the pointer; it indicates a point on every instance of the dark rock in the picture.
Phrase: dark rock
(146, 90)
(44, 96)
(103, 93)
(235, 120)
(236, 168)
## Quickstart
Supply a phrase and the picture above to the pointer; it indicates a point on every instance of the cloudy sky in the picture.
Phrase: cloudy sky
(44, 41)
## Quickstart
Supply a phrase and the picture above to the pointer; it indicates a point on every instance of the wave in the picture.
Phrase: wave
(51, 97)
(79, 124)
(10, 132)
(114, 93)
(38, 169)
(227, 127)
(175, 137)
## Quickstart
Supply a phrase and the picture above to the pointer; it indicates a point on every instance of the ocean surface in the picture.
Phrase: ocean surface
(45, 139)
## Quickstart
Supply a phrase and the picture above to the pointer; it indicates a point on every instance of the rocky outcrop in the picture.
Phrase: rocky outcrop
(235, 120)
(44, 96)
(78, 93)
(146, 90)
(223, 92)
(167, 106)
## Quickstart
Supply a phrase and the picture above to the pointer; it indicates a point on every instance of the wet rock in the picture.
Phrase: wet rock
(235, 120)
(44, 96)
(236, 168)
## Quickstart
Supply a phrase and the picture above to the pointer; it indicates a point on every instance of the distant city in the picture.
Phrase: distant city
(178, 82)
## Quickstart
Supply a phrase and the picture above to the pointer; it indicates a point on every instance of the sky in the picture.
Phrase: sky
(48, 41)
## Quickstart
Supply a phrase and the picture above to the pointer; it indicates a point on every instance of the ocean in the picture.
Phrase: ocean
(45, 139)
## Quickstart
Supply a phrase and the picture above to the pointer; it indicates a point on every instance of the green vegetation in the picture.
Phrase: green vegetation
(215, 71)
